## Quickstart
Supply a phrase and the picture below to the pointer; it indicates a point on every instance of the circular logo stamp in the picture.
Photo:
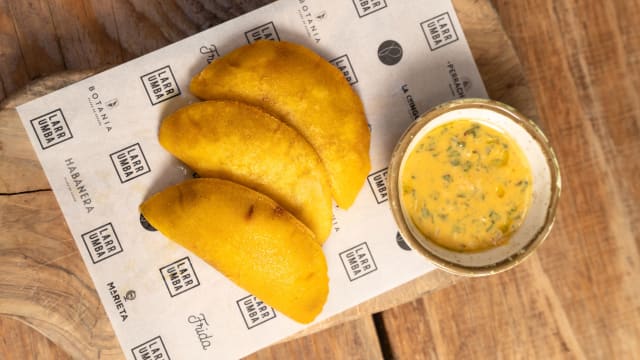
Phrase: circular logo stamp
(390, 52)
(145, 224)
(401, 243)
(130, 295)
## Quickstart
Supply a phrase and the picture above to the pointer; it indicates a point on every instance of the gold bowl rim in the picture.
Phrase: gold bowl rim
(536, 133)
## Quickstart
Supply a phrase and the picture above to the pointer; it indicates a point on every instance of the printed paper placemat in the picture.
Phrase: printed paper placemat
(97, 142)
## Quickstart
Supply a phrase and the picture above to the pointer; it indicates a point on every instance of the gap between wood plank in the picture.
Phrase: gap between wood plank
(383, 336)
(24, 192)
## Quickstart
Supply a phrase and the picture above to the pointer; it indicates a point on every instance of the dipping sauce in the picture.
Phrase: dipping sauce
(466, 186)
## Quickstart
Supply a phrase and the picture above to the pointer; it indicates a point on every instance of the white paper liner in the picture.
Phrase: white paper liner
(97, 142)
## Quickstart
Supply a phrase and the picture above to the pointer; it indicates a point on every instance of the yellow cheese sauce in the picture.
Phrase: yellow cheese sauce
(466, 186)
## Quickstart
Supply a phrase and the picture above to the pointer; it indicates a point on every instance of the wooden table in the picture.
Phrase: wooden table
(578, 297)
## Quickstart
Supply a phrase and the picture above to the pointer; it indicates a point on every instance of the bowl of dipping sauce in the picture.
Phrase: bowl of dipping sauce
(473, 186)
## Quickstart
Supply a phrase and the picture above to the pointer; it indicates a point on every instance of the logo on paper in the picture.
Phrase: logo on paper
(117, 301)
(101, 108)
(335, 223)
(102, 243)
(466, 83)
(160, 85)
(201, 328)
(151, 350)
(413, 108)
(51, 129)
(344, 65)
(378, 184)
(401, 243)
(130, 163)
(130, 295)
(254, 311)
(322, 15)
(76, 185)
(263, 32)
(210, 52)
(390, 52)
(179, 276)
(368, 7)
(458, 85)
(113, 103)
(311, 21)
(145, 224)
(439, 31)
(358, 261)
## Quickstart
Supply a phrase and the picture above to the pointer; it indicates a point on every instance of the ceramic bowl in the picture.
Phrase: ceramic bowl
(545, 193)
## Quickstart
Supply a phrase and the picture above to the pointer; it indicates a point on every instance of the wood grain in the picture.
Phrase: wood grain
(44, 282)
(41, 37)
(80, 32)
(37, 40)
(579, 297)
(578, 73)
(22, 342)
(597, 133)
(12, 64)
